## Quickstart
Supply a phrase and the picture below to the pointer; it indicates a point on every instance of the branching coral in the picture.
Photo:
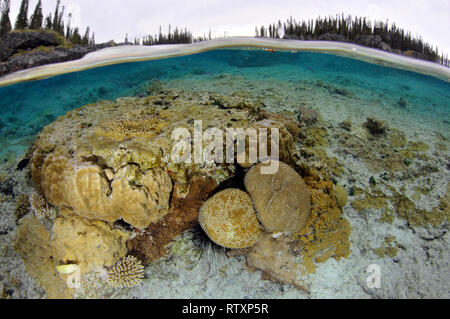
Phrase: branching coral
(126, 273)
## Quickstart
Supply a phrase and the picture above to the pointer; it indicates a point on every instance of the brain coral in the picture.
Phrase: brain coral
(282, 199)
(228, 218)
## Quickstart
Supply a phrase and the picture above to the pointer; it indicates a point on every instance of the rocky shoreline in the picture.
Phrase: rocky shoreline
(28, 49)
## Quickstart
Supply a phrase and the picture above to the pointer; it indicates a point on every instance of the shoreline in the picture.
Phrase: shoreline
(126, 54)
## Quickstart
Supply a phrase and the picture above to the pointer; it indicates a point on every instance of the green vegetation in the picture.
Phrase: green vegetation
(37, 17)
(176, 37)
(54, 23)
(351, 29)
(5, 22)
(22, 17)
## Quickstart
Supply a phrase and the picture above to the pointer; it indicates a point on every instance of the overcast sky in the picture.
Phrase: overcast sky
(112, 19)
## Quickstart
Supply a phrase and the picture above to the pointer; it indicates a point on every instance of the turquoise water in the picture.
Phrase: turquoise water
(28, 107)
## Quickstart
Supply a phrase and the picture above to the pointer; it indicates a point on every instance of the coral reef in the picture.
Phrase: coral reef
(153, 242)
(131, 125)
(341, 195)
(119, 165)
(228, 218)
(40, 207)
(403, 207)
(274, 258)
(33, 243)
(307, 116)
(86, 242)
(128, 272)
(326, 234)
(375, 126)
(281, 199)
(22, 206)
(388, 248)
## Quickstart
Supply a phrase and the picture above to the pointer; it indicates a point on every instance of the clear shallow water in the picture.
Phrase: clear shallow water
(334, 86)
(27, 107)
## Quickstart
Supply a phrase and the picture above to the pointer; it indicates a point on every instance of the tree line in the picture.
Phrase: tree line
(176, 37)
(37, 21)
(351, 29)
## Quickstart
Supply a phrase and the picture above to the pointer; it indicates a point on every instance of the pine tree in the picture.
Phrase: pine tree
(5, 23)
(85, 40)
(55, 22)
(58, 23)
(48, 22)
(22, 17)
(37, 18)
(76, 37)
(68, 28)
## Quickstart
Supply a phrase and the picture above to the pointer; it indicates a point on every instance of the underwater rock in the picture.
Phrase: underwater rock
(22, 206)
(153, 242)
(32, 242)
(316, 137)
(346, 124)
(375, 126)
(402, 102)
(378, 154)
(274, 258)
(341, 195)
(281, 199)
(229, 220)
(88, 243)
(237, 100)
(397, 138)
(307, 115)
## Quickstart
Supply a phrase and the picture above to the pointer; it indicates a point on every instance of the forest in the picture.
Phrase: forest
(359, 30)
(36, 21)
(354, 30)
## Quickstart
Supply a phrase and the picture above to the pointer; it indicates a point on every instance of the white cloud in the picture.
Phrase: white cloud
(111, 19)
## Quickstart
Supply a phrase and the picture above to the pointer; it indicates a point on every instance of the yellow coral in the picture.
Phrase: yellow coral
(33, 243)
(326, 232)
(86, 242)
